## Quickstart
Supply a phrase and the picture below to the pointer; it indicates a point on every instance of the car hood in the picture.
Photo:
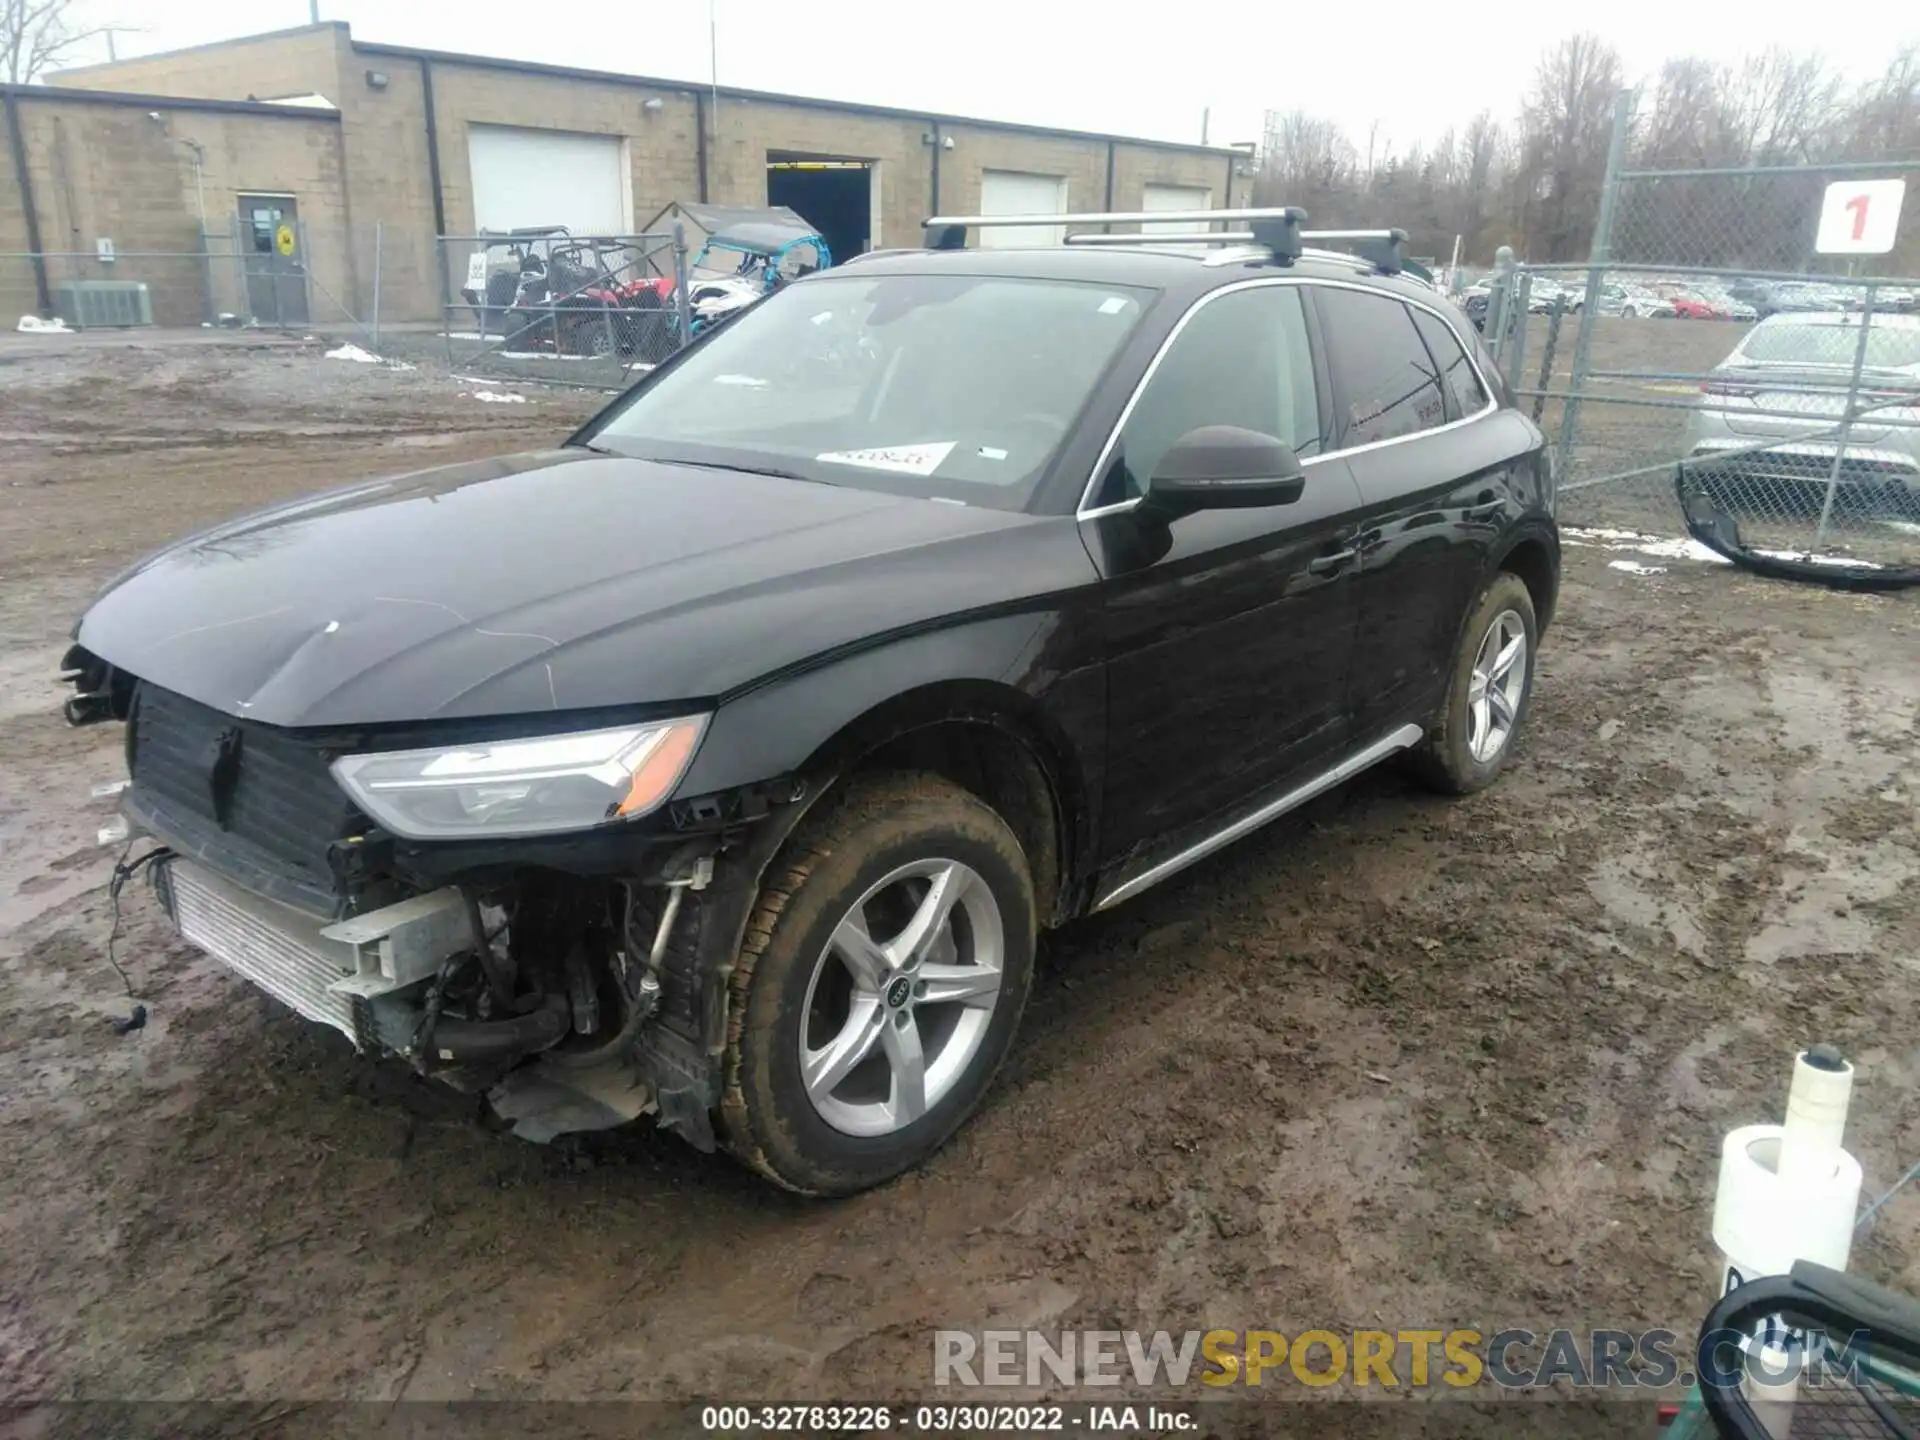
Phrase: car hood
(553, 581)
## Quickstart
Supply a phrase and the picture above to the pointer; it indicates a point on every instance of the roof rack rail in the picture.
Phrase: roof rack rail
(1385, 250)
(1278, 228)
(1183, 237)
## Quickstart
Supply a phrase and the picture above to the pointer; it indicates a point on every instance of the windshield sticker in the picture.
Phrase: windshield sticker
(1113, 305)
(752, 382)
(990, 452)
(903, 459)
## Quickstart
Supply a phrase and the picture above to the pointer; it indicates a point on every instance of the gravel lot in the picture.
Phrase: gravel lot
(1395, 1062)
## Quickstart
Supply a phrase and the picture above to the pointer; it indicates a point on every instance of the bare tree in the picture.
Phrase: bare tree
(1536, 183)
(1306, 161)
(37, 34)
(1885, 116)
(1566, 124)
(1777, 107)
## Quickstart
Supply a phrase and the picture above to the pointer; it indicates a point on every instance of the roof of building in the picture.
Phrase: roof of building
(687, 87)
(279, 109)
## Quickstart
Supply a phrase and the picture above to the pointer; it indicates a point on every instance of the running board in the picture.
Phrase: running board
(1405, 738)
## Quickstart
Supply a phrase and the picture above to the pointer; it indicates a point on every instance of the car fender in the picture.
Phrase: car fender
(1021, 672)
(1544, 580)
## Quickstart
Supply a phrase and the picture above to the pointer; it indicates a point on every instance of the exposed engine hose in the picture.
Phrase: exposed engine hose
(457, 1041)
(644, 1003)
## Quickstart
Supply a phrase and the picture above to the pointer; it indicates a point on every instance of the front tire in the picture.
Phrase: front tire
(1488, 694)
(879, 984)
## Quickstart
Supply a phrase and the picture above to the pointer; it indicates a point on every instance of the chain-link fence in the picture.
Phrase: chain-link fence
(1713, 348)
(264, 273)
(587, 310)
(542, 306)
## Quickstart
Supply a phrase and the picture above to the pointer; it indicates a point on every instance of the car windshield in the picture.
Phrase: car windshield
(1888, 348)
(956, 387)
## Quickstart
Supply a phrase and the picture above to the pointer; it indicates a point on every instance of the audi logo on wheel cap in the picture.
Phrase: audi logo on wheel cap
(899, 992)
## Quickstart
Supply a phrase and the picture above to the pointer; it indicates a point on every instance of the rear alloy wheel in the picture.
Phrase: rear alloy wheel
(879, 986)
(1488, 693)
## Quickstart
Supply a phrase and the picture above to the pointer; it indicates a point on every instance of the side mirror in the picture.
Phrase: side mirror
(1223, 467)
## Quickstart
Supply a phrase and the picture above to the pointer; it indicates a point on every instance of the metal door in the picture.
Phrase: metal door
(271, 259)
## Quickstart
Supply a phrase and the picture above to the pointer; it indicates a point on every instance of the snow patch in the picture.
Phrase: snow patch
(499, 397)
(1666, 547)
(355, 354)
(34, 325)
(1634, 567)
(1654, 547)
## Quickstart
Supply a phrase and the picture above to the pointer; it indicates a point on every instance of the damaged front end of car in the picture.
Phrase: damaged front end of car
(528, 910)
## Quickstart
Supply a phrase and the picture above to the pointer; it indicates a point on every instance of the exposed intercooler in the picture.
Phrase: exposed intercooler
(324, 971)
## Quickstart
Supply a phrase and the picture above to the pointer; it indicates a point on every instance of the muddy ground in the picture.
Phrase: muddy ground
(1396, 1062)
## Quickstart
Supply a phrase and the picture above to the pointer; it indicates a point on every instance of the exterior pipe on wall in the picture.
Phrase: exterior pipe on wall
(433, 148)
(700, 140)
(17, 139)
(934, 178)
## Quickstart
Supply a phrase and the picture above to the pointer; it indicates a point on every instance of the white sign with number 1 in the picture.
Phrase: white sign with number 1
(1859, 217)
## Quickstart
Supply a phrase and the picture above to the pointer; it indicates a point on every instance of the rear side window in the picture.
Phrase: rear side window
(1386, 380)
(1465, 394)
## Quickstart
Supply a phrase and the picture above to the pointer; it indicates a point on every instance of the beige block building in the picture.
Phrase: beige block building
(311, 131)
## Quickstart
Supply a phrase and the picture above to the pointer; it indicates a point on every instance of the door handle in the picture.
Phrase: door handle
(1328, 564)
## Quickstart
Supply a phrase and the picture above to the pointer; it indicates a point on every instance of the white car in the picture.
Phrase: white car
(1801, 365)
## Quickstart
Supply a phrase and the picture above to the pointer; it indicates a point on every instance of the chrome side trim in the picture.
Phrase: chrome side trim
(1085, 512)
(1404, 738)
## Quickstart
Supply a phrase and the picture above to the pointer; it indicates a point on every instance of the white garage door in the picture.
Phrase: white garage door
(548, 177)
(1014, 192)
(1174, 197)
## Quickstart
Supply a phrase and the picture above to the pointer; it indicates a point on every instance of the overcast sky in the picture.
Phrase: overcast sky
(1133, 69)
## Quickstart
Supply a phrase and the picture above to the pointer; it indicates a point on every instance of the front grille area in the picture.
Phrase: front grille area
(282, 810)
(278, 949)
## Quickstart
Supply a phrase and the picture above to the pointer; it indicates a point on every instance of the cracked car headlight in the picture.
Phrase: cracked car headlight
(537, 786)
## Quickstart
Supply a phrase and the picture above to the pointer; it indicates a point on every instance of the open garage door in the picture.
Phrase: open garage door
(523, 178)
(1015, 192)
(1173, 197)
(836, 197)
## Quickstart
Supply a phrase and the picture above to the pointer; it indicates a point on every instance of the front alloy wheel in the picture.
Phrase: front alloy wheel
(893, 1024)
(879, 985)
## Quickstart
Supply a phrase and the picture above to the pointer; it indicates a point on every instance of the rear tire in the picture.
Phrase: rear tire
(843, 957)
(1486, 707)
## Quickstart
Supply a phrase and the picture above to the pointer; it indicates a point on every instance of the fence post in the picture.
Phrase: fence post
(243, 302)
(211, 309)
(446, 300)
(306, 269)
(1598, 255)
(376, 285)
(1846, 416)
(1499, 301)
(1513, 360)
(1546, 356)
(684, 311)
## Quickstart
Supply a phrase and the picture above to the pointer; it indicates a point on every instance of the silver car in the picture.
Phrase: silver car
(1634, 302)
(1792, 366)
